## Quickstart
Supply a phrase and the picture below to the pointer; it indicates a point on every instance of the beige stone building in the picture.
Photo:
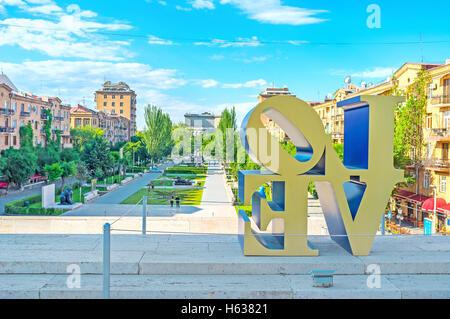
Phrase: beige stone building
(17, 109)
(115, 128)
(118, 99)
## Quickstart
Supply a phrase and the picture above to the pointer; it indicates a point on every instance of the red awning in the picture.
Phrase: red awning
(428, 205)
(3, 185)
(410, 196)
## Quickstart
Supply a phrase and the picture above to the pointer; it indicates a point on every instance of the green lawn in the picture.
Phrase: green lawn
(163, 183)
(162, 197)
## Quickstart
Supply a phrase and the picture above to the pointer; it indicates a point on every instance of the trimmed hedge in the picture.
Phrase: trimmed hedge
(18, 207)
(187, 170)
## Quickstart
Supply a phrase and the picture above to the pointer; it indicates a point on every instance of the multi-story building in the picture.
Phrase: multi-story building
(204, 123)
(118, 99)
(18, 109)
(433, 174)
(273, 127)
(115, 128)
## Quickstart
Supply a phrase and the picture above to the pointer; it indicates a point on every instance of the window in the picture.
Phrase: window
(105, 96)
(121, 103)
(113, 96)
(105, 104)
(121, 111)
(443, 184)
(121, 97)
(6, 140)
(446, 120)
(78, 122)
(429, 150)
(14, 140)
(113, 103)
(15, 123)
(15, 106)
(426, 181)
(429, 122)
(6, 104)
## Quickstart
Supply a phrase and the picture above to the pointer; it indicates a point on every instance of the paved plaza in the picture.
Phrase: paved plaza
(191, 266)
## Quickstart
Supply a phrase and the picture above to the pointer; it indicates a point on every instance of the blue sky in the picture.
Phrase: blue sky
(204, 55)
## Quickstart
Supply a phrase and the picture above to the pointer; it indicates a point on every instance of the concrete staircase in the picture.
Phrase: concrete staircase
(183, 266)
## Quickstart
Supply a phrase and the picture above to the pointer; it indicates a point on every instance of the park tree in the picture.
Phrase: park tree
(81, 136)
(17, 165)
(81, 174)
(96, 155)
(409, 120)
(53, 171)
(67, 170)
(157, 135)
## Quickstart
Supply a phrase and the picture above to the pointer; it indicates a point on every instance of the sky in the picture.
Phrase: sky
(204, 55)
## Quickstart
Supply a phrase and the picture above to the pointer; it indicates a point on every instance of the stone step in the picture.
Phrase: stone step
(223, 286)
(213, 255)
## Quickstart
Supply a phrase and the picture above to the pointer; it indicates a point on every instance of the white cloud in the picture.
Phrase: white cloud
(180, 8)
(155, 40)
(377, 72)
(239, 43)
(208, 83)
(62, 33)
(250, 84)
(203, 4)
(274, 12)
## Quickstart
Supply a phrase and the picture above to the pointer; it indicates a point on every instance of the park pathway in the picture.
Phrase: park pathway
(215, 192)
(108, 205)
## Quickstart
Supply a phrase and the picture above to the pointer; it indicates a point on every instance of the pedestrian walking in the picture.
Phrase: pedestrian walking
(178, 202)
(171, 201)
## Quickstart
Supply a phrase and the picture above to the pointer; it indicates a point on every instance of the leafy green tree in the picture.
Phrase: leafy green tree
(81, 174)
(81, 136)
(96, 155)
(17, 165)
(157, 135)
(69, 155)
(67, 170)
(409, 120)
(53, 171)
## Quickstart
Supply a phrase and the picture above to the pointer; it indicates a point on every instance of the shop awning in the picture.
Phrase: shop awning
(411, 197)
(428, 205)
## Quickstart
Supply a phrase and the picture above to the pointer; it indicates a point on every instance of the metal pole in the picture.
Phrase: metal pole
(144, 215)
(383, 224)
(106, 260)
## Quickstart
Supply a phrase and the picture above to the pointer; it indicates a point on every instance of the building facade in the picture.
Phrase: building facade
(204, 123)
(19, 109)
(115, 128)
(433, 175)
(118, 100)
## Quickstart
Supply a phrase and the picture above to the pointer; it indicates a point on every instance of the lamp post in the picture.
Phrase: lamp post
(400, 218)
(433, 225)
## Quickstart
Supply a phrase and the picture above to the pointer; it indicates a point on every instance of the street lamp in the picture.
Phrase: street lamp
(433, 226)
(400, 218)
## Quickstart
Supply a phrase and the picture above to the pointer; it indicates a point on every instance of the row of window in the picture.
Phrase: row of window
(112, 104)
(34, 109)
(113, 96)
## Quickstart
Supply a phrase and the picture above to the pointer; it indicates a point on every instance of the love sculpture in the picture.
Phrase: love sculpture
(353, 194)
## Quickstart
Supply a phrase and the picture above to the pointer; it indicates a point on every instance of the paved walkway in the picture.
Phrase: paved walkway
(215, 192)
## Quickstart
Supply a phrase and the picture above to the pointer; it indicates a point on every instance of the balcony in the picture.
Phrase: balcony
(7, 112)
(441, 165)
(7, 130)
(440, 135)
(25, 114)
(441, 101)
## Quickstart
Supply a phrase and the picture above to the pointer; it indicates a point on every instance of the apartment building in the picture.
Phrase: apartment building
(433, 175)
(115, 128)
(118, 99)
(17, 109)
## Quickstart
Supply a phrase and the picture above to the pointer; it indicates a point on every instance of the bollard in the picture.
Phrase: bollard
(144, 215)
(106, 260)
